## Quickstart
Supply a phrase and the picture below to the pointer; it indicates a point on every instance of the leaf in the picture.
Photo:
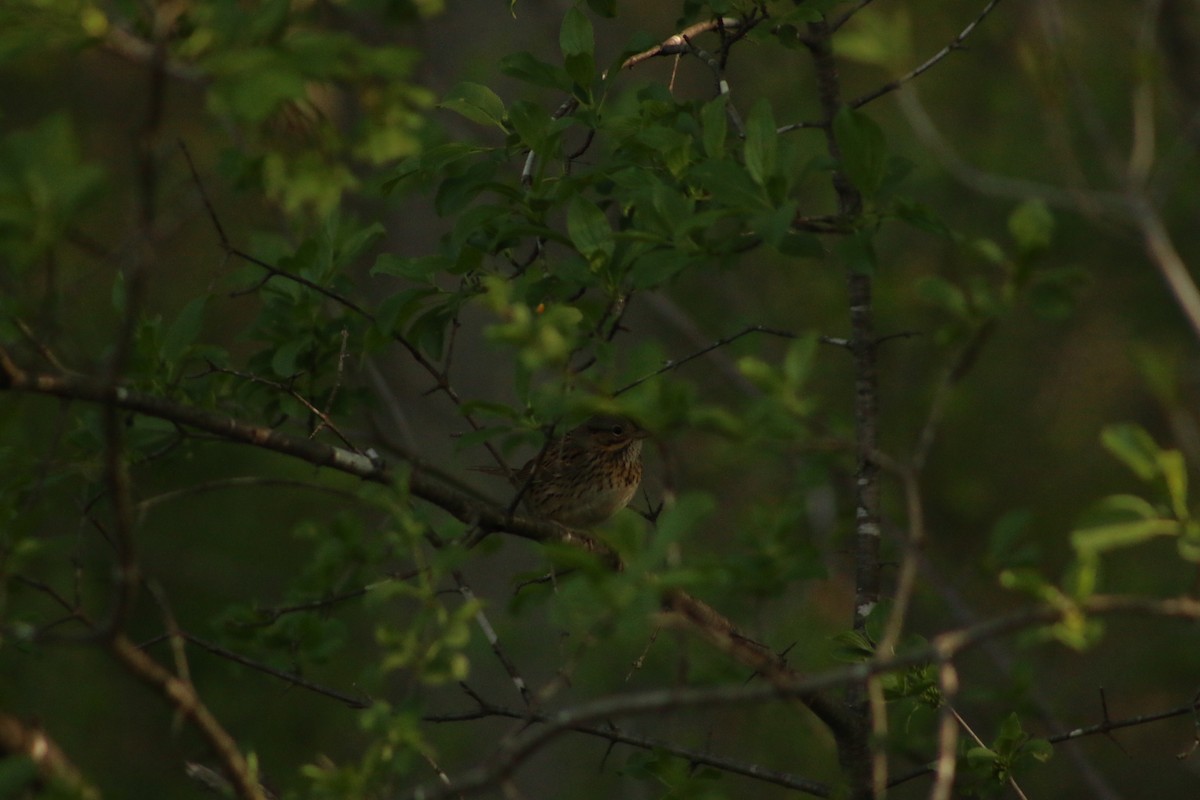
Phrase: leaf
(359, 241)
(1189, 541)
(575, 37)
(878, 38)
(394, 312)
(657, 267)
(589, 230)
(921, 216)
(577, 44)
(1032, 226)
(942, 293)
(728, 184)
(1174, 472)
(428, 330)
(283, 361)
(1120, 521)
(184, 330)
(525, 67)
(19, 777)
(714, 123)
(1039, 749)
(761, 142)
(863, 148)
(420, 268)
(1133, 447)
(797, 363)
(476, 102)
(530, 121)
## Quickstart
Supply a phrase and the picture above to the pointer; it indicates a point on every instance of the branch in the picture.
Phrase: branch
(673, 45)
(53, 766)
(182, 695)
(944, 648)
(677, 363)
(442, 382)
(854, 746)
(617, 736)
(485, 517)
(955, 44)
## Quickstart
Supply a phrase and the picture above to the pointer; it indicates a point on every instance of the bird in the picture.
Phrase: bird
(584, 477)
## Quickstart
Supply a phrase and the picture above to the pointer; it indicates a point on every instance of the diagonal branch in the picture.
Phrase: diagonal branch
(52, 765)
(944, 648)
(617, 736)
(955, 44)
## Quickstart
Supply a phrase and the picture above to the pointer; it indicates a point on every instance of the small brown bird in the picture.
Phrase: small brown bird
(584, 477)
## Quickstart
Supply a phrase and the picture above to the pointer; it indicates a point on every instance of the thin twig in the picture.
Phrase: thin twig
(493, 640)
(943, 648)
(617, 736)
(287, 677)
(182, 695)
(677, 363)
(955, 44)
(947, 758)
(19, 739)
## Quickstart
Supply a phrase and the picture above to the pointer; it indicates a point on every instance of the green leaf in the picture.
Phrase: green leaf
(942, 293)
(921, 216)
(525, 67)
(878, 38)
(283, 361)
(476, 102)
(1174, 472)
(761, 142)
(420, 268)
(863, 148)
(1032, 226)
(657, 267)
(714, 123)
(184, 330)
(1039, 749)
(728, 184)
(358, 242)
(1120, 521)
(1133, 447)
(428, 330)
(575, 38)
(1189, 541)
(797, 363)
(19, 777)
(981, 757)
(531, 123)
(577, 44)
(589, 230)
(396, 310)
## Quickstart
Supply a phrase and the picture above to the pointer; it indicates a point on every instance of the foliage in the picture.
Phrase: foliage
(379, 265)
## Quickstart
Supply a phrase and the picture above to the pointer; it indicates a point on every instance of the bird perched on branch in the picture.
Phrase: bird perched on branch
(585, 476)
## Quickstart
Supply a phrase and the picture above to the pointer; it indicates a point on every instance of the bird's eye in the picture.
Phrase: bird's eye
(617, 430)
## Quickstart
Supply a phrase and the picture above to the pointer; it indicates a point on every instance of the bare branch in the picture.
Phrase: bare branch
(484, 517)
(677, 363)
(955, 44)
(182, 695)
(673, 45)
(52, 764)
(617, 736)
(942, 649)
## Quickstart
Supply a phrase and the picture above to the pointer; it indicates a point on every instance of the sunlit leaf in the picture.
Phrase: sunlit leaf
(476, 102)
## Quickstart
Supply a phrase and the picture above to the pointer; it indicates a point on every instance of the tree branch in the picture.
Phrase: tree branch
(944, 648)
(955, 44)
